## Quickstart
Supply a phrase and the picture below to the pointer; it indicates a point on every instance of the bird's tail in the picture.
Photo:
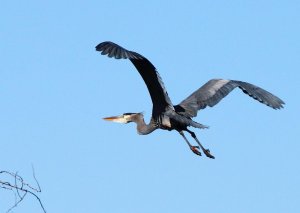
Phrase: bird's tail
(198, 125)
(185, 120)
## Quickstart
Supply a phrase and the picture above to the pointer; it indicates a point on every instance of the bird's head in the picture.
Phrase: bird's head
(125, 118)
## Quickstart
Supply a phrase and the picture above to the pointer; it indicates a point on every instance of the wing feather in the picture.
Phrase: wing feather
(215, 90)
(160, 99)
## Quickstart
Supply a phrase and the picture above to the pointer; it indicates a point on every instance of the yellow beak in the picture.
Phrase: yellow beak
(117, 119)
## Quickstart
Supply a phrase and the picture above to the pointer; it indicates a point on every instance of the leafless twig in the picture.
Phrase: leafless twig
(16, 184)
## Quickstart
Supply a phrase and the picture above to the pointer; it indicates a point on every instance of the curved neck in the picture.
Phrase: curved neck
(142, 127)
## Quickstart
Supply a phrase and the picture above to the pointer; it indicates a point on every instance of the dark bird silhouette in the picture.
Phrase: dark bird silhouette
(167, 116)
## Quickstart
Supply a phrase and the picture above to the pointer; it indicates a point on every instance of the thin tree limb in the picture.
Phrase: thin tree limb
(20, 188)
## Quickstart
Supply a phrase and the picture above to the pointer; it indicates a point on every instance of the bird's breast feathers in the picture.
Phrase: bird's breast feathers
(164, 122)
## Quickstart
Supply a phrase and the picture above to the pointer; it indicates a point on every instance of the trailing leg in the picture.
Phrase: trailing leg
(193, 148)
(205, 151)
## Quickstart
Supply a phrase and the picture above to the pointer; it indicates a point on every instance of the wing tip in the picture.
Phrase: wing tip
(279, 106)
(102, 44)
(113, 50)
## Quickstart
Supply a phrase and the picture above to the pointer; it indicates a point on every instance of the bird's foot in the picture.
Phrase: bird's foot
(207, 153)
(195, 150)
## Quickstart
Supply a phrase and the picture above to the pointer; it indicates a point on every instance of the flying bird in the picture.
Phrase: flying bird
(178, 117)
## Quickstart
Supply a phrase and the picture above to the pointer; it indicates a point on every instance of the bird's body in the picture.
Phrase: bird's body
(167, 116)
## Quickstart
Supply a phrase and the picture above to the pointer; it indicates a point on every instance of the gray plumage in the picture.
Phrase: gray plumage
(215, 90)
(148, 72)
(167, 116)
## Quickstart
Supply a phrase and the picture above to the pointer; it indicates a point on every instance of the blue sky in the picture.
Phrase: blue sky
(55, 88)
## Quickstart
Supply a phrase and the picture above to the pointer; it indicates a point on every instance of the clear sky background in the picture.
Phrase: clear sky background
(55, 88)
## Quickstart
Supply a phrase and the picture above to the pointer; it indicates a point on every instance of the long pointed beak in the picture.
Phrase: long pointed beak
(118, 119)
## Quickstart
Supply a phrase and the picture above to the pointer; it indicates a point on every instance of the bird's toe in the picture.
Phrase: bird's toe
(207, 153)
(195, 149)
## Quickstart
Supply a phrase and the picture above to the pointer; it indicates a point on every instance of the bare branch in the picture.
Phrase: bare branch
(19, 187)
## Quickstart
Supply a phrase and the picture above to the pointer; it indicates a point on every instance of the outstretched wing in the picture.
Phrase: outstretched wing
(151, 77)
(215, 90)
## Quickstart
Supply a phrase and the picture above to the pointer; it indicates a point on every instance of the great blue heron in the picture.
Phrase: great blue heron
(167, 116)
